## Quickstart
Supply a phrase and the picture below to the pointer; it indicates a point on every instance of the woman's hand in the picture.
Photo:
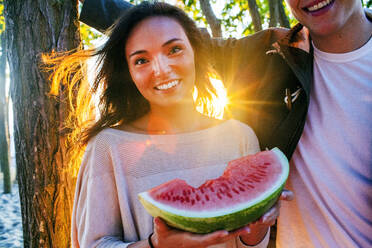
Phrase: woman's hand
(165, 236)
(259, 228)
(253, 233)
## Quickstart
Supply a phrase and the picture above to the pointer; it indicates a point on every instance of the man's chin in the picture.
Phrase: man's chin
(322, 30)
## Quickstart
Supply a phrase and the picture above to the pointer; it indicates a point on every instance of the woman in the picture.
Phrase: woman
(149, 132)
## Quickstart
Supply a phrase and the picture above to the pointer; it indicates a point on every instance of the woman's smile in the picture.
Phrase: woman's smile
(168, 85)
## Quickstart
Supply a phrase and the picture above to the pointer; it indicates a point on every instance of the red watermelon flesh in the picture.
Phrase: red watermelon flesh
(248, 188)
(243, 180)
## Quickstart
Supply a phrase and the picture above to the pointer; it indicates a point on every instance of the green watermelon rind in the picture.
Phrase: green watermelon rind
(232, 219)
(227, 222)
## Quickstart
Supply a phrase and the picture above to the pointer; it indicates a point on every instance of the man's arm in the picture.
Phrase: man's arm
(101, 14)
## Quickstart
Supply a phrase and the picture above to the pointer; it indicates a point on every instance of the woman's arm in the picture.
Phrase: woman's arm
(96, 219)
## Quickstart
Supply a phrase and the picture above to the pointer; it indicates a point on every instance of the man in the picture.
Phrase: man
(313, 100)
(331, 172)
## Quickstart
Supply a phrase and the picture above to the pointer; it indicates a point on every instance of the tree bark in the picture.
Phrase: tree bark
(255, 15)
(45, 184)
(4, 131)
(283, 18)
(274, 13)
(212, 20)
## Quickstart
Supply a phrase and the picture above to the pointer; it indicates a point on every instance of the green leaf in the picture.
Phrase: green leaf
(88, 34)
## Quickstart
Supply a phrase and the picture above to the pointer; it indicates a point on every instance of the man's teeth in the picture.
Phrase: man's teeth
(319, 5)
(168, 85)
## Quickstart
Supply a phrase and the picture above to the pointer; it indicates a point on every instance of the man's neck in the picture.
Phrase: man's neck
(349, 38)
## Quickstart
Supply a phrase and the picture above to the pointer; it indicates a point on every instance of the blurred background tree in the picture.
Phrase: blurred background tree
(241, 17)
(367, 3)
(4, 104)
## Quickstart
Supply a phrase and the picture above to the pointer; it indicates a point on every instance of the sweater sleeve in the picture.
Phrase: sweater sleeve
(101, 14)
(96, 220)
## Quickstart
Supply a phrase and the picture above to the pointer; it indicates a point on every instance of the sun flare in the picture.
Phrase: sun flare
(217, 104)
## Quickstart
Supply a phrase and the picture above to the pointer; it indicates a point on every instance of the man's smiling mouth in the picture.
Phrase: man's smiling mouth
(318, 6)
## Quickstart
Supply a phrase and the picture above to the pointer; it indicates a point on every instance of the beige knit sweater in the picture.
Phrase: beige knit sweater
(117, 165)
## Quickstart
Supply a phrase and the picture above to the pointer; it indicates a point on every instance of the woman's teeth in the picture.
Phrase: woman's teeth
(168, 85)
(319, 5)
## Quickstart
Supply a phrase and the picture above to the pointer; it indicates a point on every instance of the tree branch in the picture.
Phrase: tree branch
(212, 20)
(283, 19)
(274, 13)
(255, 15)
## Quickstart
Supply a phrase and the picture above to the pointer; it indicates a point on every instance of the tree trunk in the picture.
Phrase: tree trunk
(274, 13)
(4, 131)
(283, 18)
(45, 184)
(212, 20)
(255, 15)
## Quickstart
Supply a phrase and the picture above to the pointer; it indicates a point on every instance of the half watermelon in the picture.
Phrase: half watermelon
(248, 188)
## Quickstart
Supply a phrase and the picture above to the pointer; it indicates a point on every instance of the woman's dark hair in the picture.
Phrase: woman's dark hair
(120, 101)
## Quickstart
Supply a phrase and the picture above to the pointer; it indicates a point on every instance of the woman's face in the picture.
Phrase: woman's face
(161, 61)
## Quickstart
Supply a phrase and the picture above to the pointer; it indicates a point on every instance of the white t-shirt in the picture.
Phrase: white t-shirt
(331, 169)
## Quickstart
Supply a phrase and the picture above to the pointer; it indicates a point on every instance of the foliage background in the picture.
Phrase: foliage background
(233, 14)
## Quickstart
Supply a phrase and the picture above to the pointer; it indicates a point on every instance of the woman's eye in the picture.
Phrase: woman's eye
(140, 61)
(175, 49)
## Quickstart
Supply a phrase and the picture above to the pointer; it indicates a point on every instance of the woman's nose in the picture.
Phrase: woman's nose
(161, 66)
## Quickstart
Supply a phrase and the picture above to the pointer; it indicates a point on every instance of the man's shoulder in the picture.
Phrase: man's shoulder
(261, 40)
(277, 33)
(268, 36)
